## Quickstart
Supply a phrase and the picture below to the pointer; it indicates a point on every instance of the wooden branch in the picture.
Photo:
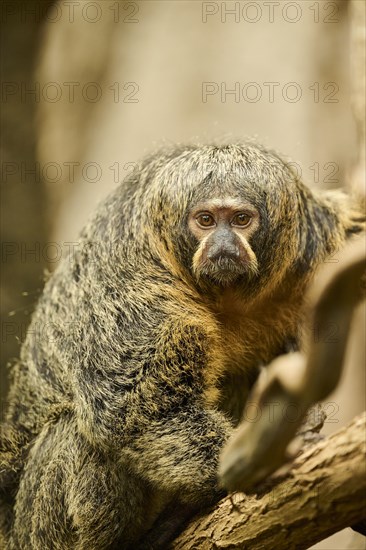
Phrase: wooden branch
(323, 492)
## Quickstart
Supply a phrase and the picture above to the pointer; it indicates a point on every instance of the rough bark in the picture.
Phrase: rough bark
(323, 492)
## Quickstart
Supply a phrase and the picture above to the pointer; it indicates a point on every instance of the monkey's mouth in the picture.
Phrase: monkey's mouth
(225, 270)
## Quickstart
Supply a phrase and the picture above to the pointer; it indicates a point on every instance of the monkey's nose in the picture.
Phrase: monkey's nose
(228, 251)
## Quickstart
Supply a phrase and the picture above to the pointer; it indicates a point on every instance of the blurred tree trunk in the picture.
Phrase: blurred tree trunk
(23, 208)
(358, 64)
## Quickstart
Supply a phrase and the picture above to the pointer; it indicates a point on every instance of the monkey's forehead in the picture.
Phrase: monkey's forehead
(223, 202)
(174, 183)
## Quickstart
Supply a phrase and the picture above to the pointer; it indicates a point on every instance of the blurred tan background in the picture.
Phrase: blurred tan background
(90, 87)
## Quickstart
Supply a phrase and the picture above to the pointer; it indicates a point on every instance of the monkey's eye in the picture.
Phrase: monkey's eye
(242, 219)
(205, 220)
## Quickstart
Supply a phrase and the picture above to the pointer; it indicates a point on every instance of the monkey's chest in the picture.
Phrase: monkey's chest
(242, 352)
(245, 340)
(249, 344)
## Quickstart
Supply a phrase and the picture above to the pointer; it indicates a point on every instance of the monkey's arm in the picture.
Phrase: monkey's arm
(149, 410)
(179, 454)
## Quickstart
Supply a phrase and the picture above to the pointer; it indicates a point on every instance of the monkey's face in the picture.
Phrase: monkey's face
(223, 228)
(229, 215)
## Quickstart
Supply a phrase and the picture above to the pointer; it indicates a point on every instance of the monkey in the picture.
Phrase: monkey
(146, 341)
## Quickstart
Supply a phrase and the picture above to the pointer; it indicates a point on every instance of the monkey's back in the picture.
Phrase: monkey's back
(106, 304)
